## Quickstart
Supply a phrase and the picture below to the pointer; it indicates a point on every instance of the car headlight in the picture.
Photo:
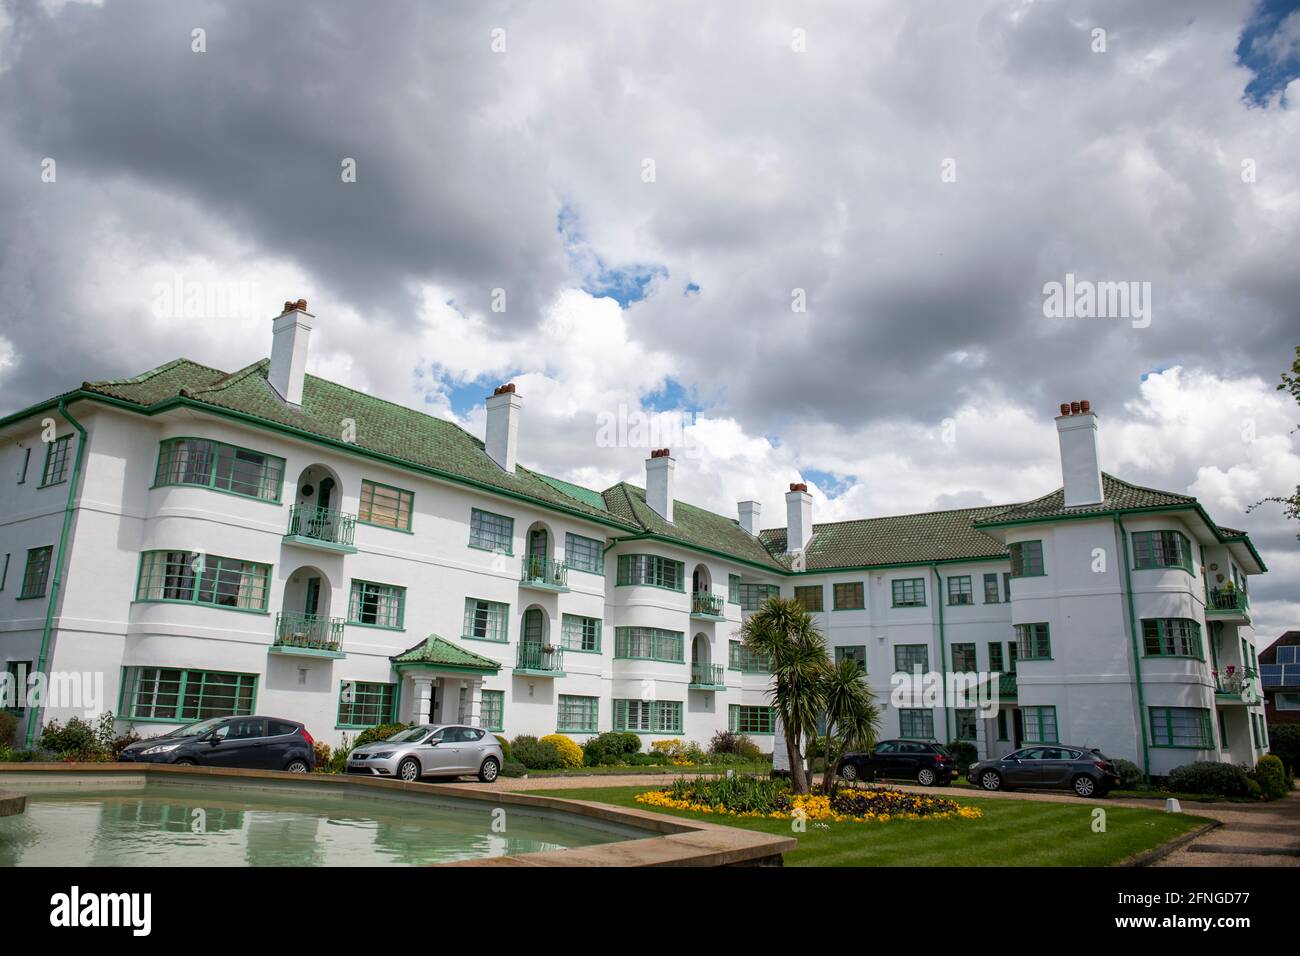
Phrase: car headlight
(161, 749)
(383, 755)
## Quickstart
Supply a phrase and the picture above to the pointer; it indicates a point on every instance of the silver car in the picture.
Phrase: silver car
(431, 750)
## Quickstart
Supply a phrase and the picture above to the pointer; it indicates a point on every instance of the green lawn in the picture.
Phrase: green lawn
(1011, 833)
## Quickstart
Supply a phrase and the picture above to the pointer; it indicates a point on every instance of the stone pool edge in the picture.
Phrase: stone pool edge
(680, 843)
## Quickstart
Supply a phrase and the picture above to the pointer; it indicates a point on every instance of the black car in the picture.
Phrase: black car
(926, 762)
(250, 743)
(1085, 770)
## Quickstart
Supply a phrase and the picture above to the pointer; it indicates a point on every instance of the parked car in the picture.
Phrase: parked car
(1086, 771)
(251, 743)
(431, 750)
(926, 762)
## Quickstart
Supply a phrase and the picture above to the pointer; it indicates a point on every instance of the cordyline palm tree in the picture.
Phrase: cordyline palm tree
(782, 632)
(807, 687)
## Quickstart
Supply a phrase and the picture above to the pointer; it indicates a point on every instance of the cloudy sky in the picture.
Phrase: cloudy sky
(818, 233)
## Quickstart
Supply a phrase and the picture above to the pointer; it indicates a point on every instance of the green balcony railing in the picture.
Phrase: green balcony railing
(539, 657)
(322, 524)
(545, 571)
(1227, 599)
(709, 605)
(310, 631)
(707, 675)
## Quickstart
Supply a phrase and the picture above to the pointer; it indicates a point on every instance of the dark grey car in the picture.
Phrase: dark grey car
(1086, 771)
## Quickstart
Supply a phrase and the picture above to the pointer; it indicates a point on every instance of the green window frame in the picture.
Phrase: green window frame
(1006, 586)
(810, 597)
(385, 506)
(1027, 559)
(651, 570)
(577, 715)
(55, 471)
(995, 656)
(1223, 727)
(966, 723)
(189, 577)
(486, 621)
(584, 554)
(747, 661)
(27, 460)
(489, 531)
(733, 588)
(1185, 728)
(579, 633)
(204, 463)
(182, 695)
(1254, 731)
(848, 596)
(371, 604)
(4, 575)
(17, 675)
(1161, 549)
(991, 589)
(492, 710)
(364, 704)
(1003, 731)
(36, 573)
(754, 720)
(754, 596)
(648, 716)
(960, 590)
(1172, 637)
(649, 644)
(908, 592)
(1034, 641)
(851, 652)
(916, 723)
(907, 656)
(1039, 725)
(963, 658)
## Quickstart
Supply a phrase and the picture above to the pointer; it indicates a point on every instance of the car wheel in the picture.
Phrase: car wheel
(925, 777)
(991, 780)
(409, 770)
(1084, 785)
(849, 772)
(488, 772)
(298, 766)
(184, 762)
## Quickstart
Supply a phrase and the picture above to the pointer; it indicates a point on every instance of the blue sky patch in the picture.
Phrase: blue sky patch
(1269, 45)
(625, 284)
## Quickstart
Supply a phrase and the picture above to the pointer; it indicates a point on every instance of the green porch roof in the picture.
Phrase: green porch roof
(435, 652)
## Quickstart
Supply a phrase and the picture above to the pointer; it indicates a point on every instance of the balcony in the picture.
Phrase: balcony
(539, 660)
(1228, 605)
(544, 574)
(707, 677)
(321, 529)
(1239, 687)
(707, 607)
(1007, 689)
(308, 635)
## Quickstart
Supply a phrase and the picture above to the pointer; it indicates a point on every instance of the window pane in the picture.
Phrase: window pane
(491, 531)
(366, 704)
(584, 554)
(385, 506)
(849, 596)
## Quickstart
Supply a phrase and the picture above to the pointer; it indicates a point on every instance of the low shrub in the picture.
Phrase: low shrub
(670, 748)
(1216, 779)
(694, 753)
(1130, 774)
(125, 740)
(1284, 743)
(8, 729)
(377, 733)
(76, 736)
(323, 755)
(736, 794)
(963, 754)
(535, 754)
(505, 746)
(513, 768)
(570, 753)
(1270, 774)
(609, 749)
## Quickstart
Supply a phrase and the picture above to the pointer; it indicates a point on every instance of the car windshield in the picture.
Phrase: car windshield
(409, 736)
(197, 729)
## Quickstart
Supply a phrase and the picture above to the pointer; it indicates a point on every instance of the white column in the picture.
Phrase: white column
(474, 701)
(423, 698)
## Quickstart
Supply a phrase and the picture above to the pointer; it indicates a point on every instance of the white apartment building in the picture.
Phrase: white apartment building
(268, 541)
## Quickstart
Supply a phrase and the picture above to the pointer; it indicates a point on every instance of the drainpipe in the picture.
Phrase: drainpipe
(1137, 656)
(57, 582)
(943, 653)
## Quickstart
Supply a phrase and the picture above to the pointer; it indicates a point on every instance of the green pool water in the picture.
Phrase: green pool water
(169, 825)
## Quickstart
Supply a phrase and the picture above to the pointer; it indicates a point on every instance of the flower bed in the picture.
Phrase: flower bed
(757, 797)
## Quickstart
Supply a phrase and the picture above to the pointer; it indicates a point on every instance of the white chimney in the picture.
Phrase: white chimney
(798, 518)
(502, 440)
(749, 511)
(290, 333)
(1076, 427)
(659, 483)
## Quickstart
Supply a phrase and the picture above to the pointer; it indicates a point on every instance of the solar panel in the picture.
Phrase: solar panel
(1287, 655)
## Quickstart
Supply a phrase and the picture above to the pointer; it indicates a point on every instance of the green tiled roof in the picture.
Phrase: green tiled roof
(898, 539)
(690, 525)
(1117, 495)
(435, 651)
